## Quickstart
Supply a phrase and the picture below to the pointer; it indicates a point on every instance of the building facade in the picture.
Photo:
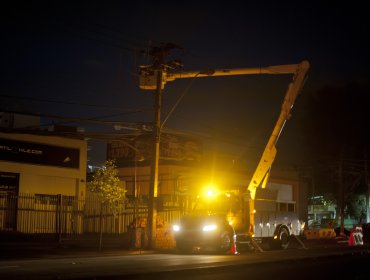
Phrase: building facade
(46, 168)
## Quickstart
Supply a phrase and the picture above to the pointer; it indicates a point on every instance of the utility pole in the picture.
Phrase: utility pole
(153, 187)
(159, 67)
(367, 188)
(341, 195)
(313, 193)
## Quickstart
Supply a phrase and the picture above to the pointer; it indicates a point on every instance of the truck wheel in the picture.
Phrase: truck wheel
(226, 241)
(282, 241)
(283, 237)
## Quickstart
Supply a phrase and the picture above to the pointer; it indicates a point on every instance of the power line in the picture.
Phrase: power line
(73, 103)
(94, 120)
(178, 101)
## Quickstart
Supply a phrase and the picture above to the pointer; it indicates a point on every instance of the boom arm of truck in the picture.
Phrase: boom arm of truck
(148, 81)
(262, 171)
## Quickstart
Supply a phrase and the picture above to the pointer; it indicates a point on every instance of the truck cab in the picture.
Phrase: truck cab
(203, 232)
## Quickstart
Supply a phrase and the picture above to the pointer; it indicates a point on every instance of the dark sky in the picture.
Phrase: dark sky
(80, 59)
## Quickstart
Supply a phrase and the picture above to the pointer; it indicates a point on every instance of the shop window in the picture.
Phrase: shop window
(282, 207)
(291, 207)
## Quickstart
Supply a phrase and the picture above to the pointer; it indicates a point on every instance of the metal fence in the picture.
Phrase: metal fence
(65, 215)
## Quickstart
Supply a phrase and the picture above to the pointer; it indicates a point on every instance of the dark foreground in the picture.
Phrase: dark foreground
(354, 267)
(316, 262)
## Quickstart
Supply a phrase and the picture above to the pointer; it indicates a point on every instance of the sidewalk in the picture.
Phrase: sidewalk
(37, 250)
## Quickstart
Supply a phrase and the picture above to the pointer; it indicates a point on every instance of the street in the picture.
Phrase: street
(288, 264)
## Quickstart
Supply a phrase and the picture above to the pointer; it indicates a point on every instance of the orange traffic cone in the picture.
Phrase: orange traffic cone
(233, 250)
(351, 241)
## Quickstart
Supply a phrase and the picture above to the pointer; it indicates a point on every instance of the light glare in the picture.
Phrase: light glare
(209, 227)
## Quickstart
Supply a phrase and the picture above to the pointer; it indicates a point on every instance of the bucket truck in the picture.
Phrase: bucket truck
(258, 217)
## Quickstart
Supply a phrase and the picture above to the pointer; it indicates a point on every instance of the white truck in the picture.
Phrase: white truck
(255, 217)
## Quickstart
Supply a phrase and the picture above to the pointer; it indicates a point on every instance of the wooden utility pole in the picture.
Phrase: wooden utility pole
(153, 187)
(367, 188)
(341, 195)
(159, 67)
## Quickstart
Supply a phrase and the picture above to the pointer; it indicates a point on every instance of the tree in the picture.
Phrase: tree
(107, 185)
(335, 129)
(336, 125)
(356, 207)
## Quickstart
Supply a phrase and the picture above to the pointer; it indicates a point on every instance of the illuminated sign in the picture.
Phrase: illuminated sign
(36, 153)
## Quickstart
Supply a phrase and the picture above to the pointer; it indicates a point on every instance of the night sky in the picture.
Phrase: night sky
(81, 59)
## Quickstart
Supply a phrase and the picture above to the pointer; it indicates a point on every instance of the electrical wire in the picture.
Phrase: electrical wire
(179, 99)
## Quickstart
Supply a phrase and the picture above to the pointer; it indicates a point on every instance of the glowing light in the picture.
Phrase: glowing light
(176, 228)
(210, 192)
(209, 227)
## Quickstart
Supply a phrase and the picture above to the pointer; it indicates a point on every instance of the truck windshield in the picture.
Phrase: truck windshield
(222, 204)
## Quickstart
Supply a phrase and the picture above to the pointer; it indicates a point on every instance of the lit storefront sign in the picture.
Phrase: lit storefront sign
(41, 154)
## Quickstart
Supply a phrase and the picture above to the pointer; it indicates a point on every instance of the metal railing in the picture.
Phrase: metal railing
(63, 216)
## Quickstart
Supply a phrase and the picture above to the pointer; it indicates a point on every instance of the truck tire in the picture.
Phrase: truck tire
(284, 238)
(282, 241)
(226, 241)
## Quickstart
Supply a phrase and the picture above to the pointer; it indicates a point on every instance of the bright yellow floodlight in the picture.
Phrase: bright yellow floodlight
(210, 191)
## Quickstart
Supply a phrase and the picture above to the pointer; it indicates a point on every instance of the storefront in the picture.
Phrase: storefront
(38, 168)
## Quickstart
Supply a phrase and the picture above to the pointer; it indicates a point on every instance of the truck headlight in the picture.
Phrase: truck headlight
(209, 227)
(176, 228)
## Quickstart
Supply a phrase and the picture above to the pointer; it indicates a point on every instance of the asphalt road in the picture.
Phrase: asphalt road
(312, 263)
